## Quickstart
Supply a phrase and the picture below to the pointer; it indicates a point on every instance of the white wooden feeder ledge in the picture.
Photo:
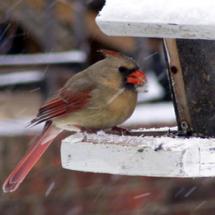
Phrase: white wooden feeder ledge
(143, 156)
(147, 156)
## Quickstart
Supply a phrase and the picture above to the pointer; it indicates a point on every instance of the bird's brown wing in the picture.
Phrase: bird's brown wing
(66, 102)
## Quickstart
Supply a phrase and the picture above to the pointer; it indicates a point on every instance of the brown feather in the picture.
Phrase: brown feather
(67, 102)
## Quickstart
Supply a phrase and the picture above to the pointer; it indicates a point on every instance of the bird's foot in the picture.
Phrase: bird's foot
(89, 130)
(114, 130)
(121, 131)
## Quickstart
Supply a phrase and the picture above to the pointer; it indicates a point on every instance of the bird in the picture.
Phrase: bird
(100, 97)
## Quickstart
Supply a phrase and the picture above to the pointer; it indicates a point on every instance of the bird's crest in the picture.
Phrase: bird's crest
(109, 53)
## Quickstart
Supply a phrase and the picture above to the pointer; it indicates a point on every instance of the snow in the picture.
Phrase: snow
(142, 195)
(159, 18)
(161, 129)
(144, 155)
(50, 188)
(195, 11)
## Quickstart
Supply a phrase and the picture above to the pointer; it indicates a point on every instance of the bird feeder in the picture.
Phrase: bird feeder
(188, 32)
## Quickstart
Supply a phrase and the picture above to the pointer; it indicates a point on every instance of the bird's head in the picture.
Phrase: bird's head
(132, 76)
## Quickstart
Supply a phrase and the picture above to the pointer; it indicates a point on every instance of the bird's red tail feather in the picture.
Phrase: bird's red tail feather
(30, 159)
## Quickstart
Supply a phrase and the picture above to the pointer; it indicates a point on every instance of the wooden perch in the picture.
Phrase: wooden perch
(136, 155)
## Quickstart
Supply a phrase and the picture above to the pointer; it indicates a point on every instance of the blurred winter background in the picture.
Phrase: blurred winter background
(42, 44)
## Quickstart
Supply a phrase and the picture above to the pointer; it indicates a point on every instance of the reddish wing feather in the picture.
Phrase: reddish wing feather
(65, 103)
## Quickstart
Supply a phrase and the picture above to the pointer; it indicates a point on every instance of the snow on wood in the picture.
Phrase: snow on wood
(159, 18)
(143, 156)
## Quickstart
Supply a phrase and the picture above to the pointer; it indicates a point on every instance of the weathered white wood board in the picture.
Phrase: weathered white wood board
(141, 156)
(43, 58)
(159, 18)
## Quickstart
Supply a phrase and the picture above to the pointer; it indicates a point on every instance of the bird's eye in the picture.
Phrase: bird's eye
(124, 70)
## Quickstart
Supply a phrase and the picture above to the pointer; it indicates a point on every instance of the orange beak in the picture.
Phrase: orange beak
(136, 78)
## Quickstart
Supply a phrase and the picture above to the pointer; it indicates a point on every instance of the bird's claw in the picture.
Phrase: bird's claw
(121, 131)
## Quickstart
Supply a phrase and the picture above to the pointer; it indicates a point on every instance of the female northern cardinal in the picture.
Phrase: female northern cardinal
(102, 96)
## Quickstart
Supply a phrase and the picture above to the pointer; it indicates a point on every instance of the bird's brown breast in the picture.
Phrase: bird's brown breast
(104, 111)
(122, 107)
